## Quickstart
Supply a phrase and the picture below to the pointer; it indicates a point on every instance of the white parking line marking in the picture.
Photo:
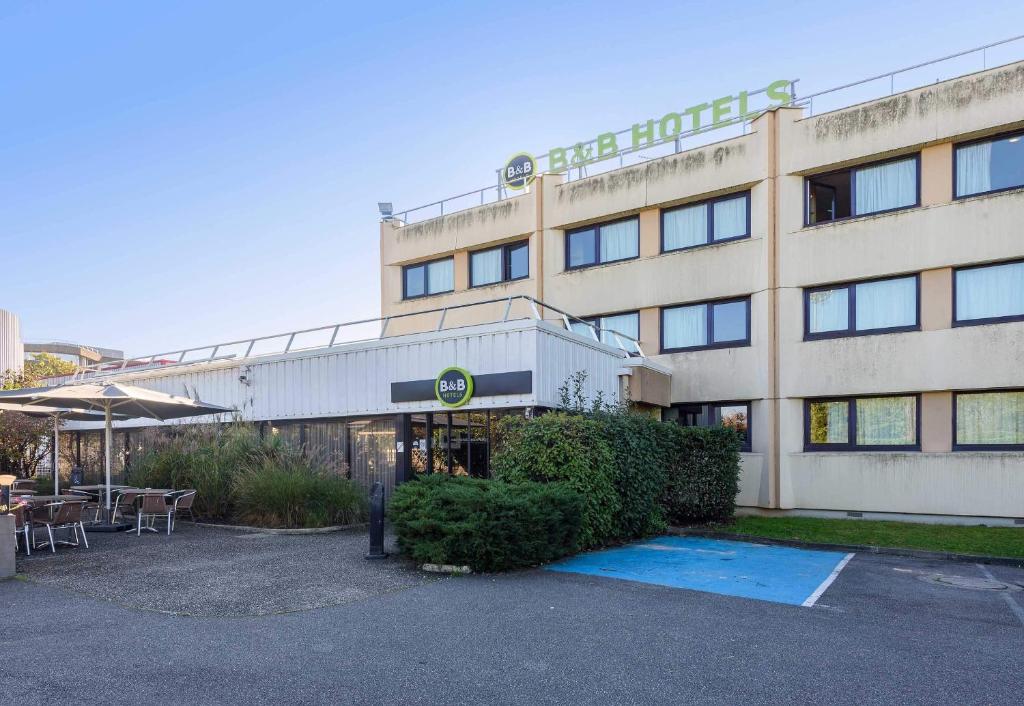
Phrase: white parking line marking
(1014, 607)
(813, 598)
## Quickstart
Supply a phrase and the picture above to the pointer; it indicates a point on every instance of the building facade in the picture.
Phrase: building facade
(845, 288)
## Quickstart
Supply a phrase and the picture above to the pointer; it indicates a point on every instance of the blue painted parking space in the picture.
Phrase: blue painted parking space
(760, 571)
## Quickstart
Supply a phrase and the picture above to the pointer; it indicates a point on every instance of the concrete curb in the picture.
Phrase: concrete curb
(863, 549)
(274, 530)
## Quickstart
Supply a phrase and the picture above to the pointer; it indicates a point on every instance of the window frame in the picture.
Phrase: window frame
(851, 430)
(981, 447)
(851, 298)
(957, 323)
(425, 264)
(596, 318)
(968, 143)
(916, 156)
(708, 204)
(747, 446)
(597, 228)
(506, 263)
(709, 322)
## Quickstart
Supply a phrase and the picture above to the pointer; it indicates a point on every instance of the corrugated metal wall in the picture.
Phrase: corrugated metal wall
(354, 380)
(12, 351)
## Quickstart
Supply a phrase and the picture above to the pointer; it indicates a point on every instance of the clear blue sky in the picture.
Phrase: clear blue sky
(180, 173)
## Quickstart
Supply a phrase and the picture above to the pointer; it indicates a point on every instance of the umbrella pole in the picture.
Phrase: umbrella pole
(107, 459)
(56, 454)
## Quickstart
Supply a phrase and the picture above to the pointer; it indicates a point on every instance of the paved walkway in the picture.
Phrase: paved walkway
(884, 632)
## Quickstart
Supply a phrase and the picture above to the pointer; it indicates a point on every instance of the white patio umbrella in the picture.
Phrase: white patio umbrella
(111, 398)
(75, 415)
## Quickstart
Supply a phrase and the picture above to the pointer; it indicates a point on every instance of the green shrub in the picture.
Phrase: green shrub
(640, 445)
(485, 524)
(703, 474)
(289, 492)
(570, 449)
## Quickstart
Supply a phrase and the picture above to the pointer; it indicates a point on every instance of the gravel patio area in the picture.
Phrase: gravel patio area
(213, 572)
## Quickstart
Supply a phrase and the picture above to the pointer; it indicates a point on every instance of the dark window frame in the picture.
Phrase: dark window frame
(708, 204)
(710, 321)
(851, 296)
(747, 445)
(853, 189)
(851, 431)
(957, 323)
(506, 263)
(597, 227)
(981, 447)
(968, 143)
(424, 265)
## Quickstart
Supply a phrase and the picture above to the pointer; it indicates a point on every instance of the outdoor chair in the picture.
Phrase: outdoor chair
(92, 502)
(183, 503)
(125, 503)
(152, 507)
(22, 528)
(66, 516)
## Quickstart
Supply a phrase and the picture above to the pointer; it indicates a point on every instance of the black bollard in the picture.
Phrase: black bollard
(377, 522)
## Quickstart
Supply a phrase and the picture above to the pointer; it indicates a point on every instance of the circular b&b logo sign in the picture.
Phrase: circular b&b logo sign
(454, 387)
(519, 171)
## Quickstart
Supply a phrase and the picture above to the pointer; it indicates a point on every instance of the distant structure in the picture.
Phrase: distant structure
(76, 353)
(12, 351)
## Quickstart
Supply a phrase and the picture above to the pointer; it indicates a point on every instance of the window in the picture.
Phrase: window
(608, 242)
(988, 294)
(428, 278)
(721, 324)
(502, 264)
(988, 420)
(627, 324)
(715, 221)
(990, 165)
(876, 306)
(861, 423)
(874, 188)
(735, 415)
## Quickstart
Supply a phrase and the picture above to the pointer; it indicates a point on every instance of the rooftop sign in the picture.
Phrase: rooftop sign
(521, 169)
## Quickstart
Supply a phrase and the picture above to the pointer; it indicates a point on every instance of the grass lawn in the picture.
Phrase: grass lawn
(991, 541)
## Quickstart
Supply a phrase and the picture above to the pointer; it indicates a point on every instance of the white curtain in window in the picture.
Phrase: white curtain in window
(686, 326)
(987, 292)
(990, 418)
(440, 276)
(730, 218)
(628, 324)
(486, 267)
(974, 169)
(686, 227)
(582, 328)
(829, 310)
(887, 303)
(620, 240)
(886, 186)
(886, 421)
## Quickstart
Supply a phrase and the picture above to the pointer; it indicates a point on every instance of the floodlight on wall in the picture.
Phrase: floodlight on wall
(386, 209)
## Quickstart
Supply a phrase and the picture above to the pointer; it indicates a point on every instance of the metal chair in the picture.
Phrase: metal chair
(125, 503)
(152, 507)
(67, 516)
(183, 500)
(91, 500)
(22, 528)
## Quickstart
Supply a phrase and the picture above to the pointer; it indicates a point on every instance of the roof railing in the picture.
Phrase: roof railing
(495, 193)
(333, 335)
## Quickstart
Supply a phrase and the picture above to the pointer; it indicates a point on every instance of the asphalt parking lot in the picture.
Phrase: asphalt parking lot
(886, 630)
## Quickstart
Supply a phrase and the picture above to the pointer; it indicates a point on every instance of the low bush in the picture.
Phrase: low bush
(485, 524)
(569, 449)
(239, 475)
(703, 474)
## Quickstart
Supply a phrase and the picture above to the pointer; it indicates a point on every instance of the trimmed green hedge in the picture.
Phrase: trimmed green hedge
(703, 474)
(484, 524)
(567, 448)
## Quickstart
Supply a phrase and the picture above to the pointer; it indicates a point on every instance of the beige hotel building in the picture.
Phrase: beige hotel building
(846, 288)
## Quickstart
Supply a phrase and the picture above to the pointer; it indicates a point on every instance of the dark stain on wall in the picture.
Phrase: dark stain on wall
(463, 220)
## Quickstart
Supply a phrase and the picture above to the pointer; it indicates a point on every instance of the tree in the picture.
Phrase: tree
(24, 440)
(45, 365)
